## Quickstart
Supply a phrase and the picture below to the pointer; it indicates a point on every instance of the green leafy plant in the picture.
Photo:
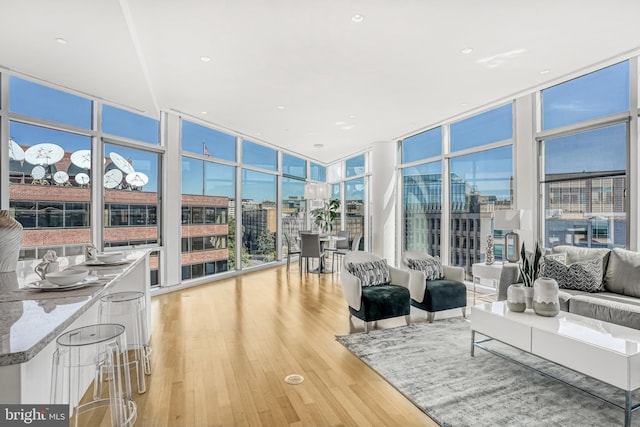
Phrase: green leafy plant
(323, 217)
(530, 265)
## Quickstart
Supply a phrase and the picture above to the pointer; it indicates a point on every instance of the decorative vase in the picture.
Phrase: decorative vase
(489, 258)
(545, 297)
(10, 241)
(516, 298)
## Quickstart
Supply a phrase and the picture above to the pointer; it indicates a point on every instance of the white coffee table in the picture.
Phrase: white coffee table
(604, 351)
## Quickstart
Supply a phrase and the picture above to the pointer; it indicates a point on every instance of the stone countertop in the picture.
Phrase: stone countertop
(29, 320)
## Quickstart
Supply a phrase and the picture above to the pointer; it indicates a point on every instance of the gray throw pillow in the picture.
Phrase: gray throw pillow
(582, 276)
(623, 272)
(371, 273)
(432, 267)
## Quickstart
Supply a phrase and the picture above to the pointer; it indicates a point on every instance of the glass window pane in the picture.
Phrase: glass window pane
(584, 199)
(491, 126)
(334, 172)
(354, 205)
(130, 125)
(355, 166)
(336, 195)
(192, 176)
(259, 221)
(294, 166)
(36, 100)
(208, 194)
(318, 172)
(131, 189)
(210, 142)
(258, 155)
(422, 207)
(293, 208)
(593, 151)
(220, 180)
(42, 178)
(598, 94)
(422, 146)
(480, 183)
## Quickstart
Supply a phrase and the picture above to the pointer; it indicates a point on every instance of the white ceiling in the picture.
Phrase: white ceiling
(342, 84)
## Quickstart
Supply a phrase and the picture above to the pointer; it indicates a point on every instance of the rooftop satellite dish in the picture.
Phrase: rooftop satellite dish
(82, 178)
(44, 154)
(60, 177)
(38, 172)
(137, 179)
(15, 151)
(122, 163)
(81, 158)
(113, 178)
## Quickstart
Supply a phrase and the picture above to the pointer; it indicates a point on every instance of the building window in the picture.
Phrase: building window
(259, 220)
(116, 121)
(209, 142)
(491, 126)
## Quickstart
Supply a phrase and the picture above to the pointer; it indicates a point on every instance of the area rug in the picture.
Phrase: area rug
(430, 363)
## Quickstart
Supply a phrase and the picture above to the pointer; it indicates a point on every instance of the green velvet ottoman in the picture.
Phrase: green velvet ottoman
(442, 295)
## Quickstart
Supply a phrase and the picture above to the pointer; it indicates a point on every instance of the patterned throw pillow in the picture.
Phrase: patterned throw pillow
(370, 273)
(582, 276)
(432, 267)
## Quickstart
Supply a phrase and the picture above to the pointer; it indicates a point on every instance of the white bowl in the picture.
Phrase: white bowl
(66, 277)
(110, 256)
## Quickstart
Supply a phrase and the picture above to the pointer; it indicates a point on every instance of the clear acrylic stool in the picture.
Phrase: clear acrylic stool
(87, 354)
(129, 309)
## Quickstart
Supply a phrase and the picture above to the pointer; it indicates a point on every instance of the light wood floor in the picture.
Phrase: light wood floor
(221, 352)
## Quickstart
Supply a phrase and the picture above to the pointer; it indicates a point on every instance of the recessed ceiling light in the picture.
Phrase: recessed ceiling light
(280, 107)
(544, 72)
(464, 104)
(353, 116)
(205, 58)
(357, 18)
(203, 112)
(340, 123)
(318, 145)
(467, 50)
(61, 40)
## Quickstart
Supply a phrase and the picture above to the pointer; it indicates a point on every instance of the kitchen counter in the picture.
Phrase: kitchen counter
(30, 320)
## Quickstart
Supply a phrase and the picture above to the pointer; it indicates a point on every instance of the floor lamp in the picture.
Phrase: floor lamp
(512, 219)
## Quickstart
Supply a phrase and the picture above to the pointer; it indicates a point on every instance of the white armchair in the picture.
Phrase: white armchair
(371, 303)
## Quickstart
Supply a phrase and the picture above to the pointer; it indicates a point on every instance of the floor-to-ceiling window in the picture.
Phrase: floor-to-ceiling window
(208, 201)
(50, 133)
(422, 192)
(481, 181)
(259, 203)
(583, 171)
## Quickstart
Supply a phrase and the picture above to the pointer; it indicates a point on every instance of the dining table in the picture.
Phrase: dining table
(326, 241)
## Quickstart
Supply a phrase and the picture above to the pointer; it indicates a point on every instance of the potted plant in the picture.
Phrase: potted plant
(520, 296)
(323, 217)
(530, 266)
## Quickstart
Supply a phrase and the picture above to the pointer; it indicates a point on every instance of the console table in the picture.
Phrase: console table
(30, 321)
(486, 271)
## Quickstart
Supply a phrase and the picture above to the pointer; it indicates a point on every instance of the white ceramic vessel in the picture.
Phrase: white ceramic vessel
(67, 277)
(10, 241)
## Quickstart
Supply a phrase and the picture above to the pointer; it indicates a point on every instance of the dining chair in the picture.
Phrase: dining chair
(292, 249)
(355, 246)
(341, 248)
(310, 248)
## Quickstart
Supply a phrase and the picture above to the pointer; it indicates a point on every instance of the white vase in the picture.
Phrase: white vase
(516, 298)
(545, 297)
(10, 241)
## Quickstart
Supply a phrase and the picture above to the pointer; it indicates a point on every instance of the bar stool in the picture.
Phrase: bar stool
(85, 354)
(128, 308)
